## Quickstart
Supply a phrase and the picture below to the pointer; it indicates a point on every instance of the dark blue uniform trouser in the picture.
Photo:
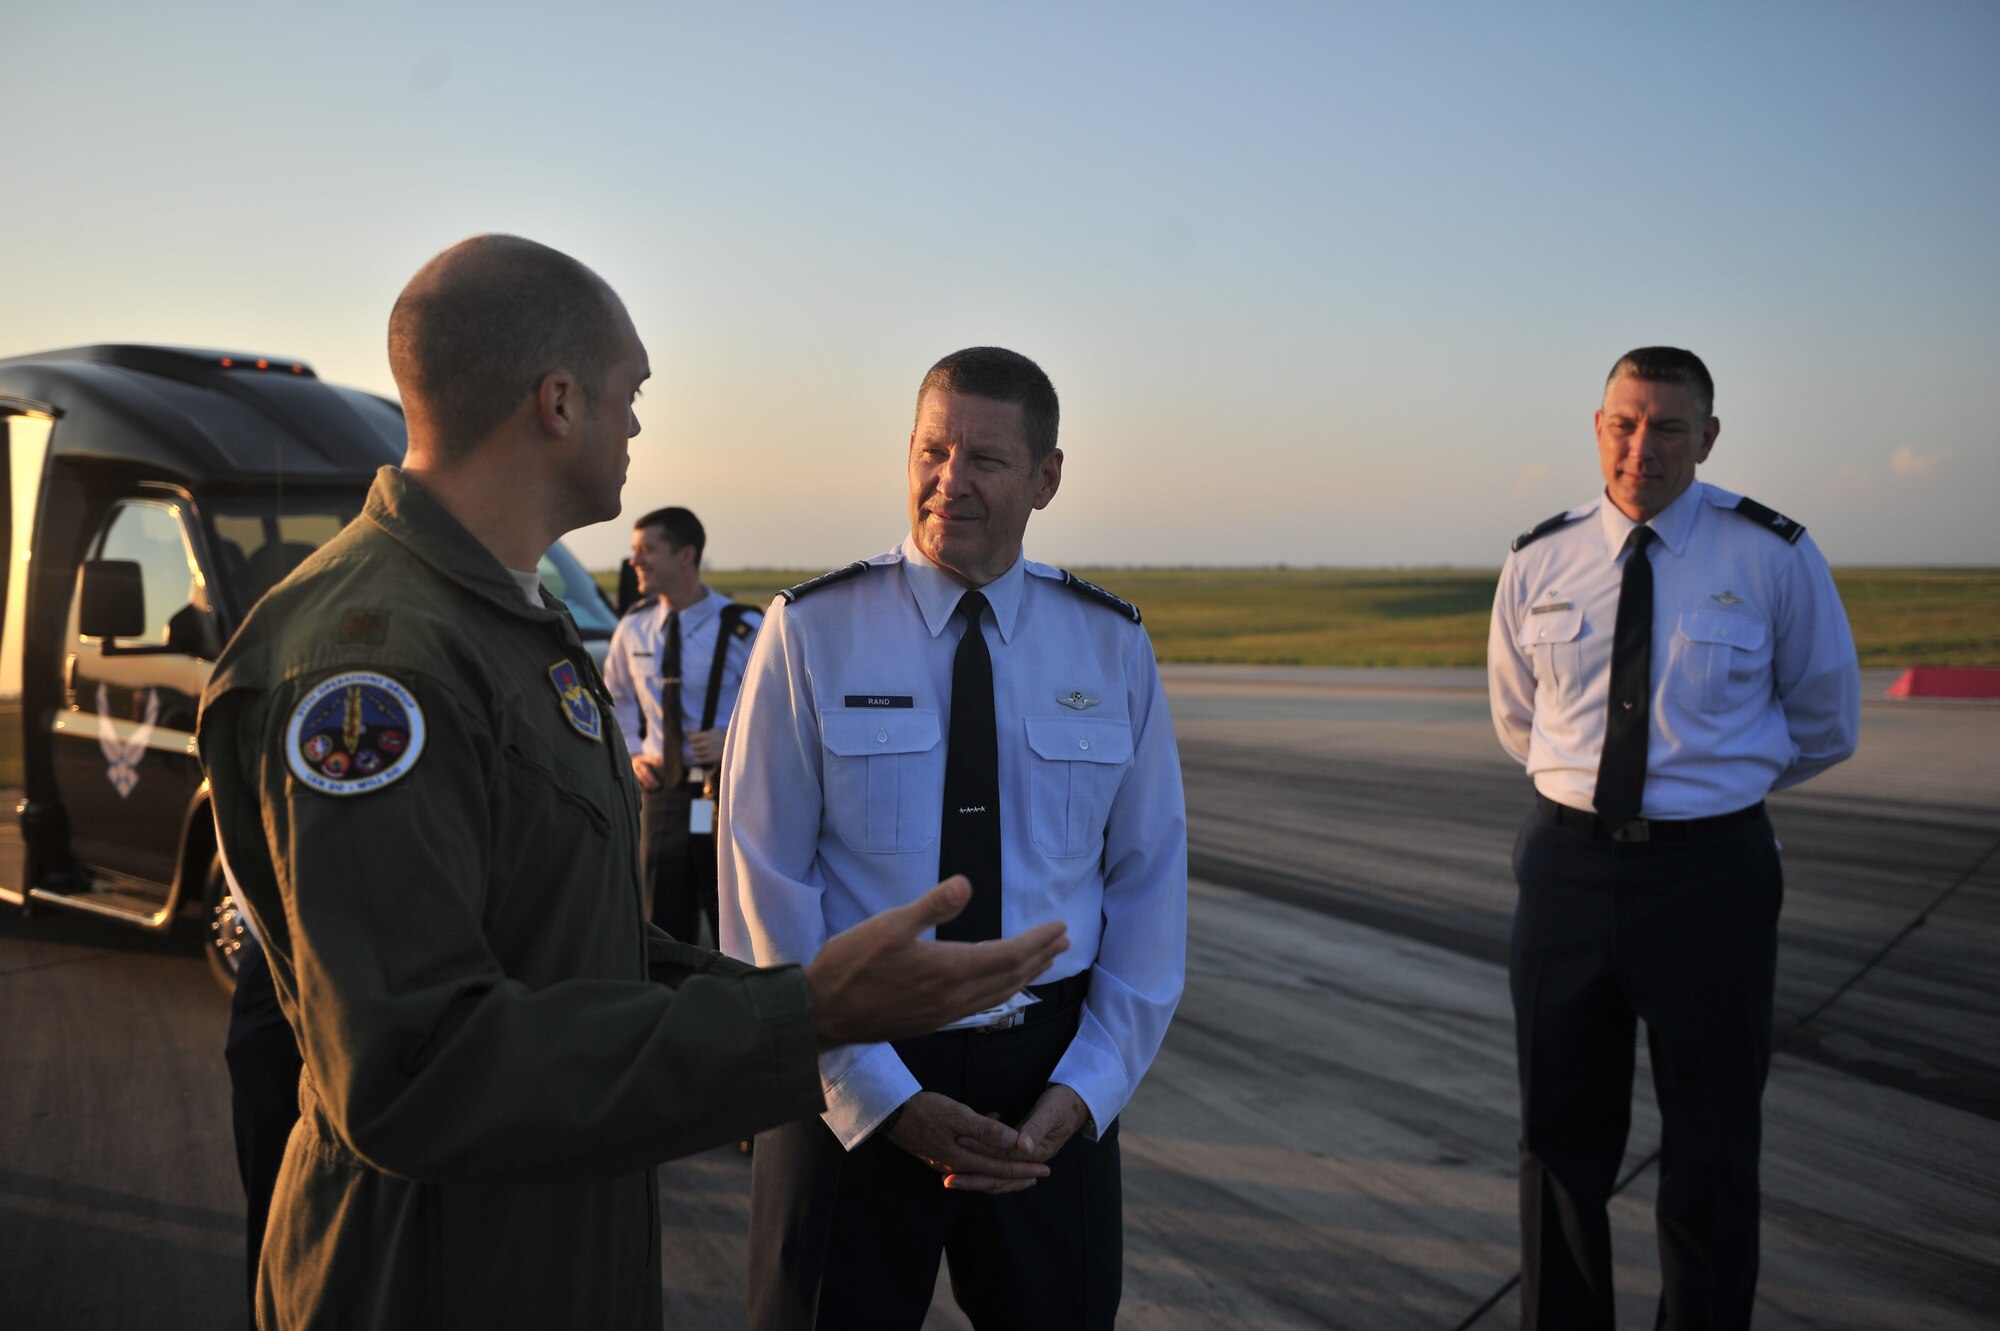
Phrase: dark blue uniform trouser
(1680, 934)
(264, 1066)
(680, 866)
(851, 1239)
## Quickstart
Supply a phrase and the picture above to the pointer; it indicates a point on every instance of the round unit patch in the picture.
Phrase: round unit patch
(354, 733)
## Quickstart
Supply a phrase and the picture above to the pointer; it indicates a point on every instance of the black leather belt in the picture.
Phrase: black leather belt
(1059, 999)
(1646, 829)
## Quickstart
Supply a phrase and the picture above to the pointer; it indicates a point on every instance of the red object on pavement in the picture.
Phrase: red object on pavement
(1946, 682)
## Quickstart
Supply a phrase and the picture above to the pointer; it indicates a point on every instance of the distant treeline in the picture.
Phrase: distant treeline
(1437, 617)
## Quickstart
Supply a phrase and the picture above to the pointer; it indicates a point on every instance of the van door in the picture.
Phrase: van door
(126, 767)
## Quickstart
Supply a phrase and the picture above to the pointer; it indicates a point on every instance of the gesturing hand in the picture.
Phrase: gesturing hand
(975, 1153)
(882, 980)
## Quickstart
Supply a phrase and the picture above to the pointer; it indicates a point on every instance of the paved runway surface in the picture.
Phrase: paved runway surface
(1327, 1139)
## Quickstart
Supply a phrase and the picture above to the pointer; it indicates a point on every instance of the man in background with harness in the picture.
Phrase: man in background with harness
(675, 663)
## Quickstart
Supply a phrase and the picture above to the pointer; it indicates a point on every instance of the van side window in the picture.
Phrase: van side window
(149, 534)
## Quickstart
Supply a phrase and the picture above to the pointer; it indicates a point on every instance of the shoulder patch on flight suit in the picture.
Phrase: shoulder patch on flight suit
(356, 732)
(854, 570)
(1539, 530)
(1083, 587)
(1771, 520)
(579, 707)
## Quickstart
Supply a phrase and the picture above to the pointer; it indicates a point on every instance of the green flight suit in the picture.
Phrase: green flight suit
(491, 1072)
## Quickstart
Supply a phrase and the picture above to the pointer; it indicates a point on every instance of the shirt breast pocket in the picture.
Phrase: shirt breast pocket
(1553, 641)
(1721, 660)
(884, 777)
(1074, 775)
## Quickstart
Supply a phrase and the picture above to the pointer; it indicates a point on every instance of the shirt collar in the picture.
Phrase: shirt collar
(695, 615)
(937, 592)
(1670, 525)
(409, 514)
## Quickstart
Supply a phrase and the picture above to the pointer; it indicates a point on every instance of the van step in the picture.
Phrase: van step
(117, 901)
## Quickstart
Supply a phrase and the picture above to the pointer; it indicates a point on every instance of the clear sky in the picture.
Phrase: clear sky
(1317, 283)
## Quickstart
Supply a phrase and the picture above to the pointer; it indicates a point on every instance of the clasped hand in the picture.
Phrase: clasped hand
(980, 1152)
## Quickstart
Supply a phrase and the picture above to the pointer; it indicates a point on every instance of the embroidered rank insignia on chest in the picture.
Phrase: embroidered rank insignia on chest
(579, 707)
(356, 732)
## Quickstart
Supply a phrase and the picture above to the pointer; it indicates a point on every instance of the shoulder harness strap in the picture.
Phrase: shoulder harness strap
(1771, 520)
(1092, 591)
(854, 570)
(1539, 530)
(730, 625)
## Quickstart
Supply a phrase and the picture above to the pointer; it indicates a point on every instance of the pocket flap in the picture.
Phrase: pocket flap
(854, 732)
(1077, 739)
(1550, 626)
(1718, 626)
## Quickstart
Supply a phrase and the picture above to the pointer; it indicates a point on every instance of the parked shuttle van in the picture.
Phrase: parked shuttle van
(151, 496)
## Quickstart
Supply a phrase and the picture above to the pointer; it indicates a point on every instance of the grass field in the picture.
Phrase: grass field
(1437, 617)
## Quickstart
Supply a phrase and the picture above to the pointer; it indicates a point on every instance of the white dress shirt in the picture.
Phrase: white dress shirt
(632, 668)
(1754, 681)
(833, 780)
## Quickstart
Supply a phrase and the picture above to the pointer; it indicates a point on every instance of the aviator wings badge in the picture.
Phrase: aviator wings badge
(1726, 598)
(1077, 700)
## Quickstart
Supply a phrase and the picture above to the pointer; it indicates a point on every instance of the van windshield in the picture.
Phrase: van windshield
(567, 578)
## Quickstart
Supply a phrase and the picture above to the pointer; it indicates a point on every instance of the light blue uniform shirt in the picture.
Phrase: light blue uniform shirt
(1754, 681)
(833, 781)
(632, 669)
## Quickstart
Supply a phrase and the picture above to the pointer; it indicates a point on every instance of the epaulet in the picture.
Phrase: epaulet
(1539, 530)
(1096, 593)
(1770, 520)
(643, 603)
(734, 621)
(854, 570)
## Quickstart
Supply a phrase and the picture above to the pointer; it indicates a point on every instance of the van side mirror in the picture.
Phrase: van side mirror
(113, 602)
(191, 632)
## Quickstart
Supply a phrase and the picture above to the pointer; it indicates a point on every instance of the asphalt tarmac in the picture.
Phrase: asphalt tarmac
(1327, 1137)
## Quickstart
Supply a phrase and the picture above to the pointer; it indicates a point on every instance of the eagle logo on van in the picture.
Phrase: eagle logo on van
(121, 756)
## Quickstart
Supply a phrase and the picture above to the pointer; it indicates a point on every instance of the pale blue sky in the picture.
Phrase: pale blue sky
(1317, 283)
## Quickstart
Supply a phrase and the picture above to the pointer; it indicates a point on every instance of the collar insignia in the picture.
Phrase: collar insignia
(1077, 700)
(579, 708)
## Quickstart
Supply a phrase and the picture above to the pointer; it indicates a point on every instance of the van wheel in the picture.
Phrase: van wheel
(223, 933)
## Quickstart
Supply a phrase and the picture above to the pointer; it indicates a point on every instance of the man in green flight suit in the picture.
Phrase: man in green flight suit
(432, 822)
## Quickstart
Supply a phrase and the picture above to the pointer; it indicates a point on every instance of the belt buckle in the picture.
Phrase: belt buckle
(1636, 830)
(1006, 1021)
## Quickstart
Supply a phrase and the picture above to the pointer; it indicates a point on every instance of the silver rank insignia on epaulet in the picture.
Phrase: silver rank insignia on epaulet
(1771, 520)
(1096, 593)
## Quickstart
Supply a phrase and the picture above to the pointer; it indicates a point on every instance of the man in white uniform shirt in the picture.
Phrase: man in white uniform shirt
(951, 702)
(1661, 658)
(675, 663)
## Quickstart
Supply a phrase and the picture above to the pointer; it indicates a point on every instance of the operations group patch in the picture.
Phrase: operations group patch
(579, 708)
(354, 733)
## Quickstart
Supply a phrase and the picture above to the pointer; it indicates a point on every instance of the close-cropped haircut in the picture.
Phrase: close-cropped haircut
(1668, 365)
(1000, 375)
(679, 526)
(480, 324)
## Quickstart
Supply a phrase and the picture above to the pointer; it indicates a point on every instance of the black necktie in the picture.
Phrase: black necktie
(969, 836)
(671, 736)
(1621, 769)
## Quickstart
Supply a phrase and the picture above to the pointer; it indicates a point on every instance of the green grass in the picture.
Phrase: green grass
(1437, 617)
